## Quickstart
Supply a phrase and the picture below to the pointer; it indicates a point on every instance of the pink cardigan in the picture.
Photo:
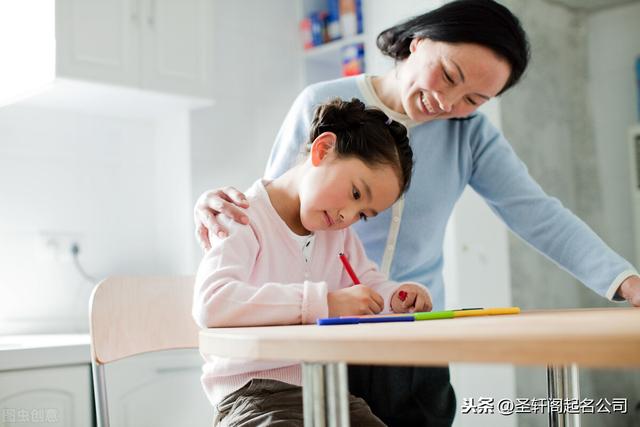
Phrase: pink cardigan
(258, 276)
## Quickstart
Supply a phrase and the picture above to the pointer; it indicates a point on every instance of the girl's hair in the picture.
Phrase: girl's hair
(366, 133)
(482, 22)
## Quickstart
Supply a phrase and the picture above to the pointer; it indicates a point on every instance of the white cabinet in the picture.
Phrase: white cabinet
(160, 389)
(56, 396)
(160, 45)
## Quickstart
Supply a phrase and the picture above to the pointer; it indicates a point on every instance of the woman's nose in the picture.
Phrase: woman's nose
(444, 103)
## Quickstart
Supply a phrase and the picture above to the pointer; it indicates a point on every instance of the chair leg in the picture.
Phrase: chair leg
(100, 394)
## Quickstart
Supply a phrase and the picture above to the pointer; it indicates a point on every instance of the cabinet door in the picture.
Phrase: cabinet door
(177, 45)
(59, 396)
(160, 389)
(98, 40)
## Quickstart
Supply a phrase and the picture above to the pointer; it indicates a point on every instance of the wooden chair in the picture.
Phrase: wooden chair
(134, 315)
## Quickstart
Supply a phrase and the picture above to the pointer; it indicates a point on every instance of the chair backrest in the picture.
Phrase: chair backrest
(133, 315)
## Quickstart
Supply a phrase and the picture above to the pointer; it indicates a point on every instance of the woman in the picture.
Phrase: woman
(448, 62)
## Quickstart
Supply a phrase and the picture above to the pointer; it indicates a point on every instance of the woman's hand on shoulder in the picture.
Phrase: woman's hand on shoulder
(412, 298)
(630, 290)
(226, 201)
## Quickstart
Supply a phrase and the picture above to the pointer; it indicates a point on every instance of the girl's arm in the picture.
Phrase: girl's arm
(224, 297)
(369, 274)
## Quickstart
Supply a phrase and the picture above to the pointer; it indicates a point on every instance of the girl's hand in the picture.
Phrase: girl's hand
(630, 290)
(411, 298)
(212, 203)
(353, 301)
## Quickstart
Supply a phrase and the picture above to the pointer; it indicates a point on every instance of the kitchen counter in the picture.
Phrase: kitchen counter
(39, 351)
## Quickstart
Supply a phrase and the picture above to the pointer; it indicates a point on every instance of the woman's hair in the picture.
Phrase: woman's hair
(367, 134)
(482, 22)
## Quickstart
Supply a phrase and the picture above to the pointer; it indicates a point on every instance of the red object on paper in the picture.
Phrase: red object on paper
(350, 271)
(402, 295)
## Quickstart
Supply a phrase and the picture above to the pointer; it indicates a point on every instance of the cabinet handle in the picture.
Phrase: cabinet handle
(151, 19)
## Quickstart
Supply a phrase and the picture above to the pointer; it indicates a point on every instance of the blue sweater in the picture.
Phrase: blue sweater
(448, 155)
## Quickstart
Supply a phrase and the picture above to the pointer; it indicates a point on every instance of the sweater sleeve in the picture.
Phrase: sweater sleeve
(367, 270)
(291, 138)
(223, 295)
(502, 179)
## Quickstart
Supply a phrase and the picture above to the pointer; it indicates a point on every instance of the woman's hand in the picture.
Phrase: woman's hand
(411, 298)
(223, 201)
(630, 290)
(353, 301)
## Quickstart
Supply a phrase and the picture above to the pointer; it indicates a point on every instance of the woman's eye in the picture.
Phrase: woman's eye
(446, 76)
(356, 193)
(363, 217)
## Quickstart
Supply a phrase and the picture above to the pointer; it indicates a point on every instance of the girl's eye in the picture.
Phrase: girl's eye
(471, 101)
(356, 193)
(363, 217)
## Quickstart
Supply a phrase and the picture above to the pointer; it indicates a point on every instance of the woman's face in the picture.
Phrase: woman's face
(441, 80)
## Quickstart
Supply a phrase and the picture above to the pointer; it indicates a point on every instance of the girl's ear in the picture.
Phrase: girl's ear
(322, 145)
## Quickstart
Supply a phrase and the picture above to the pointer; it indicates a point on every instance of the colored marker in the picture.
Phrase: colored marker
(350, 271)
(427, 315)
(355, 320)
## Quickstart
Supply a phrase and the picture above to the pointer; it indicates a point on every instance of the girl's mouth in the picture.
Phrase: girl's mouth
(328, 218)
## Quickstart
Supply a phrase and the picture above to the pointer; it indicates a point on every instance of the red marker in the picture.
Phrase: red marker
(350, 271)
(402, 295)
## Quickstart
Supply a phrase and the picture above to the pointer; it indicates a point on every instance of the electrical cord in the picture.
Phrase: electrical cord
(75, 250)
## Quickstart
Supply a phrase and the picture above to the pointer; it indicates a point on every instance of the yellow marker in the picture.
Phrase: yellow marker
(486, 311)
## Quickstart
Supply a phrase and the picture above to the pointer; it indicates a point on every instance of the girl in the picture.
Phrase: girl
(284, 268)
(447, 62)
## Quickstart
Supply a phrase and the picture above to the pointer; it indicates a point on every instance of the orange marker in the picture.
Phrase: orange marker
(350, 271)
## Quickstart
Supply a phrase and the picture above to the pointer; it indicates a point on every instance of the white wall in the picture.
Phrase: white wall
(613, 44)
(258, 78)
(88, 177)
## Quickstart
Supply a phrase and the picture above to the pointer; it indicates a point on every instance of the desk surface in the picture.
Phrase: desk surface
(603, 337)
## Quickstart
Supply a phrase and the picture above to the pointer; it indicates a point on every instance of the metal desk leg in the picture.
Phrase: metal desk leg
(562, 383)
(325, 395)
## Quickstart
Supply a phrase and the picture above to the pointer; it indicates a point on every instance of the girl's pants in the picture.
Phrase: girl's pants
(264, 402)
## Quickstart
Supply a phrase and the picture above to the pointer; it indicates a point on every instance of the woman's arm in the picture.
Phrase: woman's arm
(502, 179)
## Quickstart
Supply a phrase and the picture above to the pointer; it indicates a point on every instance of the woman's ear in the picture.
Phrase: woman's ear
(414, 44)
(322, 145)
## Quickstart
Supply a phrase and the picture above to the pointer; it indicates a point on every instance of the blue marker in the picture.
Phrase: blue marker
(355, 320)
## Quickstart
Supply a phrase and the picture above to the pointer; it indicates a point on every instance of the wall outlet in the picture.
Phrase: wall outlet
(57, 246)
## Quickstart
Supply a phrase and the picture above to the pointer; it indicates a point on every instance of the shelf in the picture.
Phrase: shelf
(329, 51)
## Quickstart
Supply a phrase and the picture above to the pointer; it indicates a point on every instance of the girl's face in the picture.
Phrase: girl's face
(335, 193)
(441, 80)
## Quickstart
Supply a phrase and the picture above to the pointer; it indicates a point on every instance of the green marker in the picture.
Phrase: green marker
(431, 315)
